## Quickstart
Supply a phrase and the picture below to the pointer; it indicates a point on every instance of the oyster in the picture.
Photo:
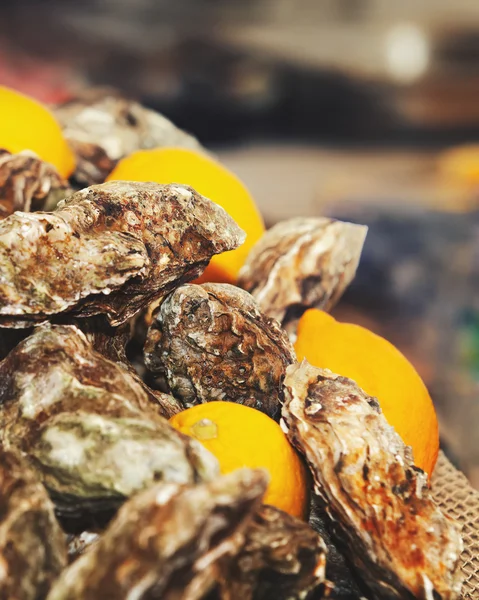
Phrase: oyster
(32, 545)
(380, 504)
(28, 183)
(166, 542)
(214, 344)
(110, 249)
(90, 463)
(302, 263)
(56, 370)
(281, 558)
(88, 427)
(102, 127)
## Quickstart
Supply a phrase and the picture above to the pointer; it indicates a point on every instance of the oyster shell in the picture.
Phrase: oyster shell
(214, 344)
(109, 249)
(88, 427)
(28, 183)
(166, 542)
(32, 545)
(91, 463)
(302, 263)
(281, 558)
(111, 342)
(380, 504)
(79, 543)
(56, 370)
(102, 127)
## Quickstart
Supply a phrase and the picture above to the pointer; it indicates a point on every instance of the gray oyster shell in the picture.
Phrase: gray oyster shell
(282, 557)
(213, 343)
(89, 428)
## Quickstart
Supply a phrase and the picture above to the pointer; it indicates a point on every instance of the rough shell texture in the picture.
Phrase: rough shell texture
(89, 428)
(27, 183)
(56, 370)
(90, 462)
(380, 505)
(111, 342)
(166, 542)
(102, 127)
(302, 263)
(32, 545)
(109, 249)
(214, 344)
(281, 558)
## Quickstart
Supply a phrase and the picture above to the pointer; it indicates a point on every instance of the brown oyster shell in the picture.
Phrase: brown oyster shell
(282, 557)
(102, 127)
(213, 343)
(88, 426)
(379, 502)
(302, 263)
(28, 183)
(110, 249)
(32, 545)
(166, 542)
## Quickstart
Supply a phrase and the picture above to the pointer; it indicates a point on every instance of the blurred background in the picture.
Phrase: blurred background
(366, 110)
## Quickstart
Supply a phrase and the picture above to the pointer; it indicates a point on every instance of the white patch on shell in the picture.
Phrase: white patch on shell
(165, 493)
(182, 192)
(66, 448)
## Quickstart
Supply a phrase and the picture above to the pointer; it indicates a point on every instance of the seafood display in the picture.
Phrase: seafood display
(108, 489)
(302, 263)
(213, 343)
(379, 503)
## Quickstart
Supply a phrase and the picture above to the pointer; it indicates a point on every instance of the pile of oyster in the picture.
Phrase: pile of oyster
(103, 338)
